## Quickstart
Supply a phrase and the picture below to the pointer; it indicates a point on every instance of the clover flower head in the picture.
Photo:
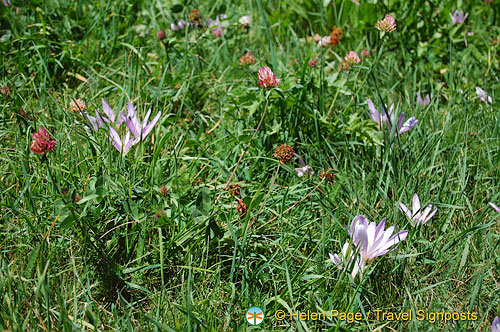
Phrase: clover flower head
(247, 59)
(313, 62)
(284, 153)
(388, 24)
(267, 79)
(42, 142)
(161, 35)
(352, 58)
(77, 105)
(245, 21)
(458, 17)
(418, 217)
(365, 53)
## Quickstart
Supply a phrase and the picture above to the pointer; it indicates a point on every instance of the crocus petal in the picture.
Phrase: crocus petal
(420, 101)
(115, 138)
(425, 218)
(150, 126)
(110, 115)
(495, 207)
(416, 204)
(411, 123)
(405, 210)
(495, 326)
(384, 248)
(373, 112)
(133, 129)
(336, 260)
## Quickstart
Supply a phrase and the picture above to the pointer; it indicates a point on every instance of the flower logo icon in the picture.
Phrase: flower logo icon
(255, 316)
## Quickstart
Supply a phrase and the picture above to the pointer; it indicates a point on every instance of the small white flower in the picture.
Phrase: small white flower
(301, 171)
(483, 95)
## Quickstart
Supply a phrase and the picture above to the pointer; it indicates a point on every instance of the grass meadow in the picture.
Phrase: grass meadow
(257, 179)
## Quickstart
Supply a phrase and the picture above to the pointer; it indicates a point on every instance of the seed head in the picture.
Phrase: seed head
(247, 59)
(242, 208)
(327, 175)
(234, 190)
(336, 36)
(284, 153)
(163, 190)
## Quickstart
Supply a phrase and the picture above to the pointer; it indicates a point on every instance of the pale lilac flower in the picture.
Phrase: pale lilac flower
(267, 79)
(388, 24)
(375, 115)
(7, 3)
(495, 207)
(138, 130)
(178, 26)
(301, 171)
(495, 326)
(418, 217)
(370, 241)
(356, 2)
(458, 17)
(483, 95)
(400, 126)
(424, 102)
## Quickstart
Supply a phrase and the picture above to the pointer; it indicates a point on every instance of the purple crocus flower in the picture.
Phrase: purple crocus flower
(458, 17)
(375, 115)
(7, 3)
(301, 171)
(495, 207)
(424, 102)
(370, 241)
(416, 216)
(400, 126)
(495, 326)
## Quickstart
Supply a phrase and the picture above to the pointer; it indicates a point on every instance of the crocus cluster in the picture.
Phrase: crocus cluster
(368, 241)
(136, 131)
(42, 142)
(483, 95)
(267, 79)
(458, 17)
(388, 24)
(418, 217)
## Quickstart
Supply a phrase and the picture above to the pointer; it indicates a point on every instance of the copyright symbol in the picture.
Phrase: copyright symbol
(280, 314)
